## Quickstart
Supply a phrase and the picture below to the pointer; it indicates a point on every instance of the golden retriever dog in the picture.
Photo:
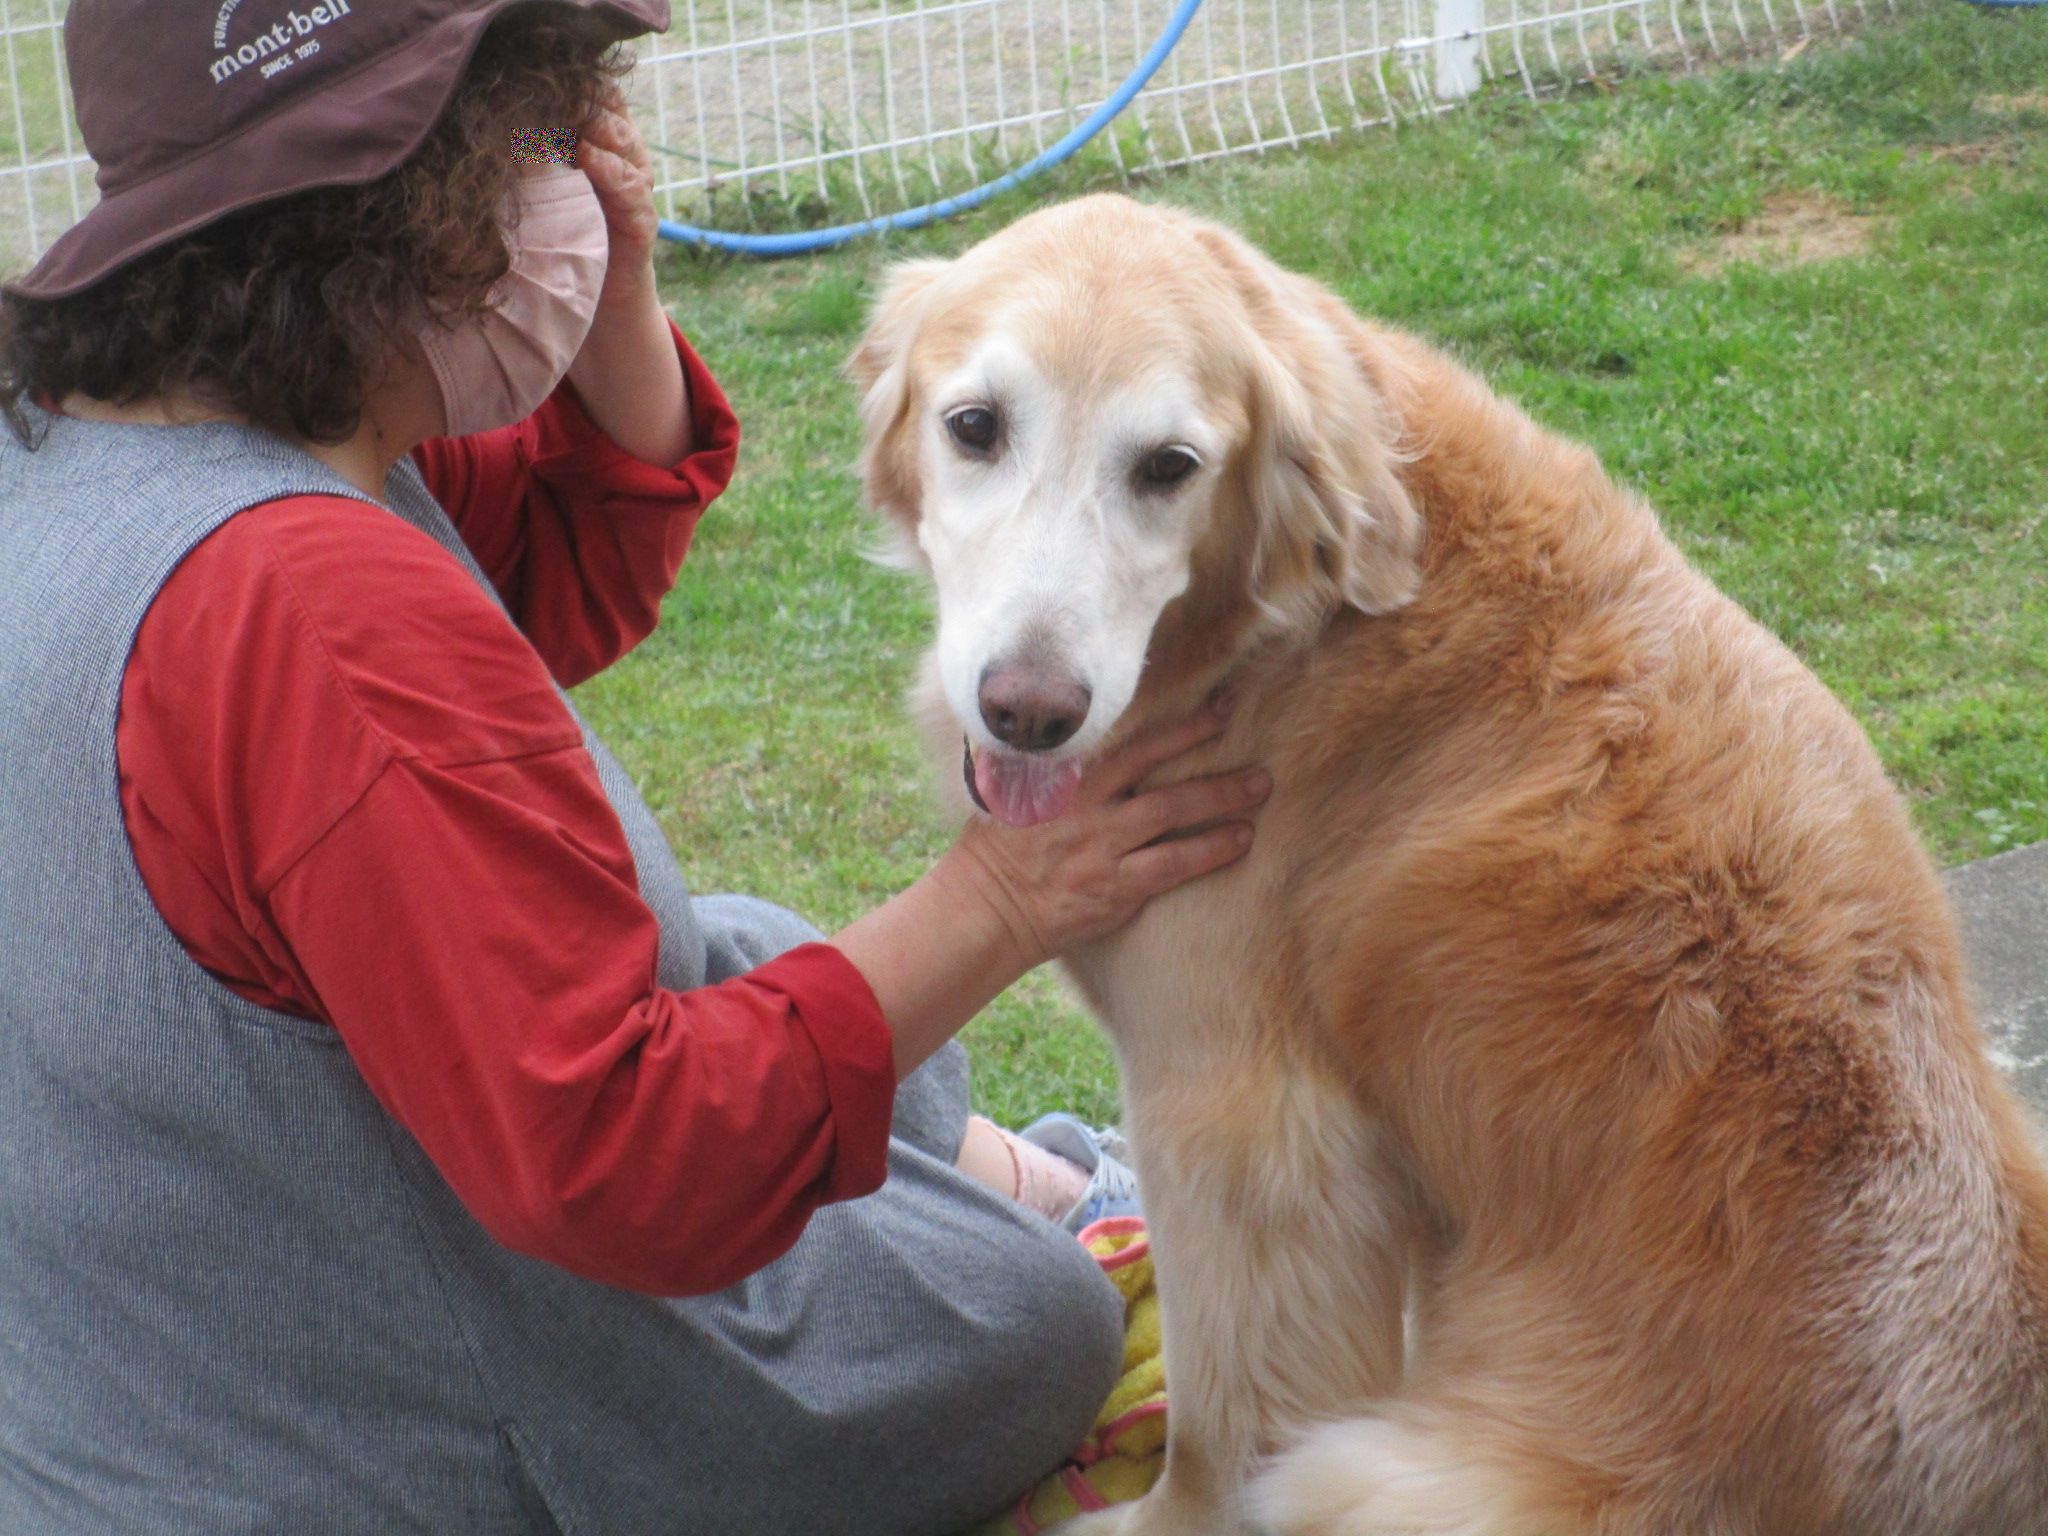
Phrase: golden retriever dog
(1569, 1118)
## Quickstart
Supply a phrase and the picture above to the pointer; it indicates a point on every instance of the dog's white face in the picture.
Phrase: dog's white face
(1058, 420)
(1057, 524)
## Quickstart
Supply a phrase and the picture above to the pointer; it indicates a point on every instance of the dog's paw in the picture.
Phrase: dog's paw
(1154, 1516)
(1372, 1477)
(1113, 1521)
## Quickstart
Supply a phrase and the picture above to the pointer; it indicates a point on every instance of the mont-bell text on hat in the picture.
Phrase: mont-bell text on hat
(283, 39)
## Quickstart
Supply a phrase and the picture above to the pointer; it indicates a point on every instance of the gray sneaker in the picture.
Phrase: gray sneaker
(1112, 1187)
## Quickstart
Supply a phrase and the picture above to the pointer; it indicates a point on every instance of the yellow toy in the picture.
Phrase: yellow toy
(1126, 1450)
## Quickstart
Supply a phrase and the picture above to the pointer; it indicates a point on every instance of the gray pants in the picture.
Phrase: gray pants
(920, 1357)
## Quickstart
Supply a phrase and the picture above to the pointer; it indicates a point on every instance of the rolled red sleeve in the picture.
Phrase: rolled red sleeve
(839, 1011)
(568, 451)
(582, 539)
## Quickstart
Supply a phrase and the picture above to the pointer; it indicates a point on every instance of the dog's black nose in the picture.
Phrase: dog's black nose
(1029, 711)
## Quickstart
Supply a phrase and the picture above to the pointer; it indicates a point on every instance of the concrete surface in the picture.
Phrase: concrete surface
(2002, 903)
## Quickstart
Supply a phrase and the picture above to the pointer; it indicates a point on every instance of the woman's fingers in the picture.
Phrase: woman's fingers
(1115, 774)
(1159, 867)
(1159, 812)
(627, 195)
(614, 131)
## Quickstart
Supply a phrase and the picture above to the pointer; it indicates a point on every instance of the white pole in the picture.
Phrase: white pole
(1458, 24)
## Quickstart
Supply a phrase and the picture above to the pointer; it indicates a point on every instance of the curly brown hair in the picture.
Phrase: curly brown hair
(280, 312)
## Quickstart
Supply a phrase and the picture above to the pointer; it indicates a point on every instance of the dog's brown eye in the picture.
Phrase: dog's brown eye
(973, 428)
(1164, 468)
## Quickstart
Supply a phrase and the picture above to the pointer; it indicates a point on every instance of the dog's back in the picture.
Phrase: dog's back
(1669, 1007)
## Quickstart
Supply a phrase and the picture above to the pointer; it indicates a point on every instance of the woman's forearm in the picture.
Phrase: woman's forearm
(936, 955)
(629, 380)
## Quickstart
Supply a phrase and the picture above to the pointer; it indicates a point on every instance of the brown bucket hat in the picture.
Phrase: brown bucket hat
(195, 108)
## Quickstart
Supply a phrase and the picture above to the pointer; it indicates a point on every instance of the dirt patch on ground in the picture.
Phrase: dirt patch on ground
(2006, 147)
(1976, 152)
(1793, 229)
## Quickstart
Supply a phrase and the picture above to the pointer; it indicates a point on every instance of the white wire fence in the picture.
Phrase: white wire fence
(796, 111)
(780, 114)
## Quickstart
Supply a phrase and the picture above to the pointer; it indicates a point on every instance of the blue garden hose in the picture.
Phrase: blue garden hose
(916, 218)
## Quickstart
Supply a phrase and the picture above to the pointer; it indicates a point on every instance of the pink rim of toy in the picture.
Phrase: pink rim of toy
(1078, 1488)
(1117, 1226)
(1106, 1436)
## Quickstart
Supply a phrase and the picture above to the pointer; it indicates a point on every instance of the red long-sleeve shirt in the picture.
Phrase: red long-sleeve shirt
(355, 796)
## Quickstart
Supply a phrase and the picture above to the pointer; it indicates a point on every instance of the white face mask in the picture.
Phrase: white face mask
(497, 370)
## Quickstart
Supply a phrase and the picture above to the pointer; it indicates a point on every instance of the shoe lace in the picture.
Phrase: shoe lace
(1113, 1182)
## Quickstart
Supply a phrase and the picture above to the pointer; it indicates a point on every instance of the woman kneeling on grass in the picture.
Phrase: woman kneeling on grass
(368, 1078)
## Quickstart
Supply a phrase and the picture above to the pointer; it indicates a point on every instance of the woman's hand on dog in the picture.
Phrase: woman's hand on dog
(1088, 872)
(1004, 899)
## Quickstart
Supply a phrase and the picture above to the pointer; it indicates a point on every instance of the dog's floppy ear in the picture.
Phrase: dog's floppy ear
(880, 367)
(1335, 524)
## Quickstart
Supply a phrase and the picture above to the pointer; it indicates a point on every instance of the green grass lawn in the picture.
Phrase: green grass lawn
(1854, 447)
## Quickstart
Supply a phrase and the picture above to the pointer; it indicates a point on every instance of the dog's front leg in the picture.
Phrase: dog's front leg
(1281, 1246)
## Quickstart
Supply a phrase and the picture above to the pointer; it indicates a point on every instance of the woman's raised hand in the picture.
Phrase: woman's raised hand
(615, 158)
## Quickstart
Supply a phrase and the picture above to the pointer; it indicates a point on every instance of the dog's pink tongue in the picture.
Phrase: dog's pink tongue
(1024, 791)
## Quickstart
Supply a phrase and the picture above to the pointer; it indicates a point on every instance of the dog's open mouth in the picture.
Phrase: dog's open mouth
(1014, 787)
